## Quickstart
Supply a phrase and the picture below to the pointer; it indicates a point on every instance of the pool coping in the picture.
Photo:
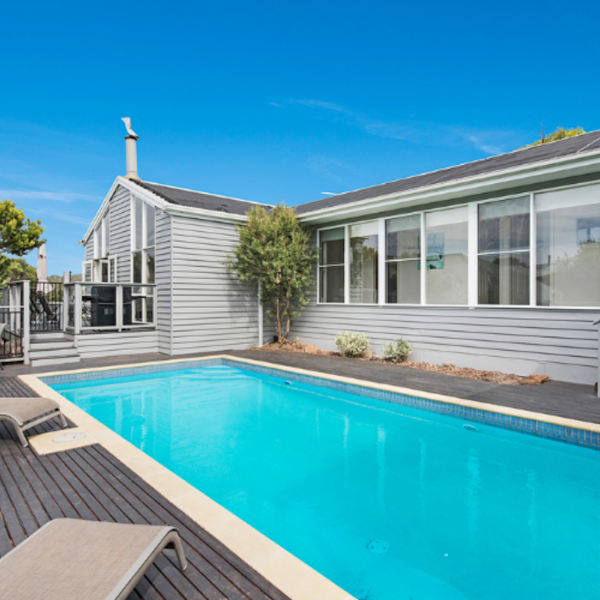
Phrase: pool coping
(287, 572)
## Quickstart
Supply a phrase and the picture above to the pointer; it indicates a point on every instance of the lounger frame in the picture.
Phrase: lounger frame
(166, 537)
(20, 428)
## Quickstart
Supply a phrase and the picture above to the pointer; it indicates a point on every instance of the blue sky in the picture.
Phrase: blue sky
(275, 101)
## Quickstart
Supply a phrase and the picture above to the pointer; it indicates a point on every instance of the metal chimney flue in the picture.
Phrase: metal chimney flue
(130, 150)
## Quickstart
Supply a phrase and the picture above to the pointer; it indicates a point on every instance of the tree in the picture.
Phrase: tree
(559, 134)
(276, 253)
(19, 269)
(18, 236)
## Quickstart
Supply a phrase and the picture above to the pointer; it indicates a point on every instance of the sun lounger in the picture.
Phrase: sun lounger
(25, 413)
(71, 559)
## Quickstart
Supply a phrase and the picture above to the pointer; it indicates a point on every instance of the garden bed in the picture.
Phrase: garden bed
(444, 369)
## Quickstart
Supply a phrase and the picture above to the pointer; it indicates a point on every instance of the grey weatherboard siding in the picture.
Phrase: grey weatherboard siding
(560, 343)
(211, 310)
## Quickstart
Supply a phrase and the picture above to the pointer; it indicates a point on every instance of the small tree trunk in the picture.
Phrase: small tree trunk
(289, 320)
(279, 319)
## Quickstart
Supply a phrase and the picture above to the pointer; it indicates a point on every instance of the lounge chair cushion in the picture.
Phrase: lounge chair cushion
(22, 410)
(71, 559)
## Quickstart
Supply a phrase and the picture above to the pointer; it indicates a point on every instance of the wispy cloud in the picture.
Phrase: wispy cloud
(331, 168)
(424, 132)
(37, 195)
(74, 219)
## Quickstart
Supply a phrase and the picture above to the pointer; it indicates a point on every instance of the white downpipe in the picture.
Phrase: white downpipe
(260, 319)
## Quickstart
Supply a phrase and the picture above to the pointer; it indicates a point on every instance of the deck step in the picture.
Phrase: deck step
(54, 345)
(45, 362)
(50, 336)
(53, 353)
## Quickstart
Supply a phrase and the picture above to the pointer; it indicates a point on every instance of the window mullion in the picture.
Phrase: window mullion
(318, 268)
(423, 250)
(346, 264)
(381, 285)
(473, 257)
(532, 252)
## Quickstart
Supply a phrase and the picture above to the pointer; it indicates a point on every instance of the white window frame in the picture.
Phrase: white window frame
(348, 261)
(473, 254)
(419, 260)
(84, 265)
(105, 225)
(143, 250)
(113, 260)
(320, 266)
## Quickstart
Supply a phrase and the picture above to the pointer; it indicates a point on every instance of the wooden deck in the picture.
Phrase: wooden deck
(89, 483)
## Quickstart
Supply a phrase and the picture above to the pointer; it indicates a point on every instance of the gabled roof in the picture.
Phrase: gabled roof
(570, 146)
(202, 200)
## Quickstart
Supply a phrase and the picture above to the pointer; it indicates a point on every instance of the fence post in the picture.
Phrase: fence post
(26, 322)
(67, 291)
(119, 307)
(77, 323)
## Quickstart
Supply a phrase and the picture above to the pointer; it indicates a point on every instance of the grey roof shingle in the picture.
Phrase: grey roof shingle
(182, 197)
(582, 143)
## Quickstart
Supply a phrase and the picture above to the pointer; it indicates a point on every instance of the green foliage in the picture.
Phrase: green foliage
(275, 252)
(352, 344)
(18, 236)
(559, 134)
(18, 269)
(55, 293)
(396, 351)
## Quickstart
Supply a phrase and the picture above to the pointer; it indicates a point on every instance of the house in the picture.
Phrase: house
(493, 264)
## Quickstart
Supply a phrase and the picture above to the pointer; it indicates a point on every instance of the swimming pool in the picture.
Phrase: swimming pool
(388, 501)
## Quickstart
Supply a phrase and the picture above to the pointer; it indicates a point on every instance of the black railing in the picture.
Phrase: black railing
(11, 323)
(46, 306)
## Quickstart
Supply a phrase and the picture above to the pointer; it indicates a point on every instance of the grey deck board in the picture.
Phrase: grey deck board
(92, 484)
(556, 398)
(151, 511)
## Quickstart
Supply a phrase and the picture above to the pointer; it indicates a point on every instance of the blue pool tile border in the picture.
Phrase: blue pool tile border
(551, 431)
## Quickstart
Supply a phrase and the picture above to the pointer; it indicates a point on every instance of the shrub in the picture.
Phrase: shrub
(396, 351)
(352, 344)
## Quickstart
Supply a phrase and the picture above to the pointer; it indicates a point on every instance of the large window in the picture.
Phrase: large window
(568, 247)
(105, 235)
(103, 267)
(403, 260)
(331, 269)
(142, 259)
(364, 253)
(446, 276)
(504, 252)
(539, 249)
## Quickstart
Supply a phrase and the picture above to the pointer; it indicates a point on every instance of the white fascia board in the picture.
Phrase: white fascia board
(571, 165)
(101, 210)
(149, 197)
(202, 213)
(158, 202)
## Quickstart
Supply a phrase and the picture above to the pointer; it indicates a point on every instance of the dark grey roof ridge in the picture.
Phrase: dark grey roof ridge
(198, 200)
(175, 187)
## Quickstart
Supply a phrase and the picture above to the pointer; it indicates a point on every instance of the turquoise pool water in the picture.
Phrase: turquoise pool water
(389, 502)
